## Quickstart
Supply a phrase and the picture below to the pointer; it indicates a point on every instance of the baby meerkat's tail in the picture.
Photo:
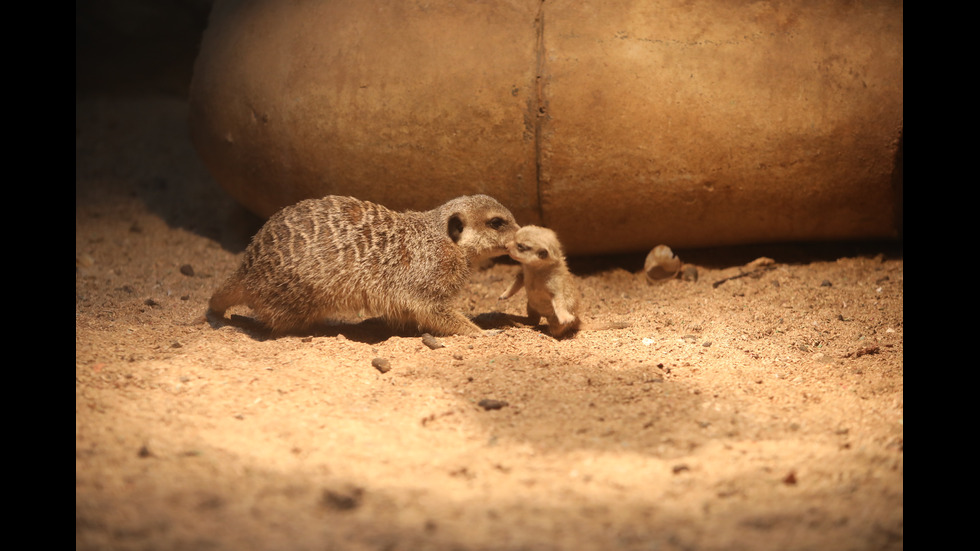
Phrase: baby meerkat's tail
(606, 326)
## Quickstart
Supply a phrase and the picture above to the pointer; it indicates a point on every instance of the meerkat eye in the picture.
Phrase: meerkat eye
(496, 223)
(523, 248)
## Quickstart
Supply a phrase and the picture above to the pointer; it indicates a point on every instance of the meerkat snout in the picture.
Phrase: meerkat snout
(479, 225)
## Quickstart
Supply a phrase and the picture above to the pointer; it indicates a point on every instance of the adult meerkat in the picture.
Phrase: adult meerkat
(551, 289)
(321, 258)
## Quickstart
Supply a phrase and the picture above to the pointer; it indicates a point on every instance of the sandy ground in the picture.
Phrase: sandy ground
(754, 408)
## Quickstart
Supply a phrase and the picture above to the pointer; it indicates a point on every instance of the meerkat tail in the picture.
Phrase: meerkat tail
(227, 296)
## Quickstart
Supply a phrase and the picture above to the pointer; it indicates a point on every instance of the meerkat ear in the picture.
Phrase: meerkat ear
(455, 229)
(543, 254)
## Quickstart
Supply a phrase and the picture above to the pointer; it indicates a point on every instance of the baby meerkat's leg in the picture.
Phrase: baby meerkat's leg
(533, 316)
(559, 330)
(562, 322)
(564, 316)
(514, 287)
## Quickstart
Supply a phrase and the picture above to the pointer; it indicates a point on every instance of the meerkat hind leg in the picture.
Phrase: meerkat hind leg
(230, 294)
(449, 323)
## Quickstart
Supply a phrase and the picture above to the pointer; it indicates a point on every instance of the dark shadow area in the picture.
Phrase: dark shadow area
(635, 408)
(739, 255)
(133, 67)
(136, 48)
(370, 331)
(134, 155)
(790, 253)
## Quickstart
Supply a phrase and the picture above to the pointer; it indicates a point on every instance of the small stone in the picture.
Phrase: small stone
(489, 404)
(381, 365)
(84, 261)
(863, 352)
(431, 341)
(187, 270)
(344, 498)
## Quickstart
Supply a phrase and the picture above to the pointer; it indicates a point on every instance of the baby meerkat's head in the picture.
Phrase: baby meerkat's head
(480, 225)
(535, 245)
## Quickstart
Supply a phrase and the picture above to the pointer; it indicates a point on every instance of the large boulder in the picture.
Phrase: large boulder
(620, 124)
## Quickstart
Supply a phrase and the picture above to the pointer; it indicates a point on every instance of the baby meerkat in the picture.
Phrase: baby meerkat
(551, 288)
(336, 256)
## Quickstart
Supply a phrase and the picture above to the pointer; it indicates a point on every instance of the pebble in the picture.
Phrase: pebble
(84, 261)
(381, 365)
(489, 404)
(343, 498)
(431, 341)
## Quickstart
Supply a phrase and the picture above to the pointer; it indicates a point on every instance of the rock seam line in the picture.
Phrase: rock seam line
(540, 108)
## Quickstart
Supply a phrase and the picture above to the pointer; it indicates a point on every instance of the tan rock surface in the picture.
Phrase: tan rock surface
(619, 124)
